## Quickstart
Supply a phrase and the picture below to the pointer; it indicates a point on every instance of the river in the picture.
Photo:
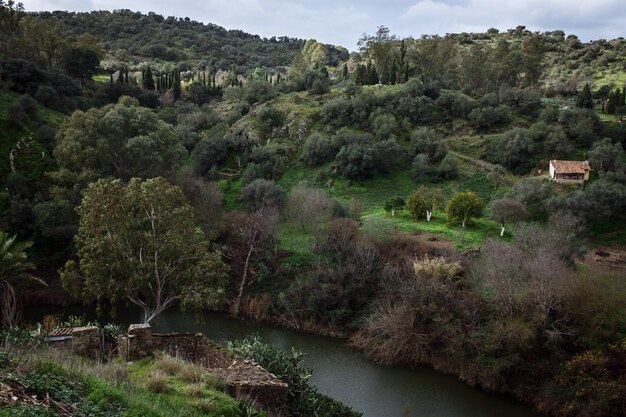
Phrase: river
(342, 373)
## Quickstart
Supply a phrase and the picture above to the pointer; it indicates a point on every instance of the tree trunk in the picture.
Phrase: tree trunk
(463, 223)
(501, 230)
(393, 213)
(243, 281)
(428, 215)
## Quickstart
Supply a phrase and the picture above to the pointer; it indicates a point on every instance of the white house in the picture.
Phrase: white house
(569, 171)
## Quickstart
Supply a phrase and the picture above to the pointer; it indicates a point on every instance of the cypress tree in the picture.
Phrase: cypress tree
(584, 99)
(345, 71)
(147, 81)
(176, 90)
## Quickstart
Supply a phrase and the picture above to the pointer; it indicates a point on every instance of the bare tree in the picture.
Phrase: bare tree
(252, 237)
(309, 209)
(506, 210)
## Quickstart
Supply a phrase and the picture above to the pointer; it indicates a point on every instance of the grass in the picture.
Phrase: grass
(466, 238)
(142, 389)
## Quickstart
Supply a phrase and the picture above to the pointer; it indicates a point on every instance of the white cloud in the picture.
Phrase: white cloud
(587, 19)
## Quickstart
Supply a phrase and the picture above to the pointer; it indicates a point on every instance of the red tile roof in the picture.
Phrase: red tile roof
(570, 167)
(62, 331)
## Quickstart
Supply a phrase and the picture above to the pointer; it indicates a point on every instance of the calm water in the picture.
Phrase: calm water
(342, 373)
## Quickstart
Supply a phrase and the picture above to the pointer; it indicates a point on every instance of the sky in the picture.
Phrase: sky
(342, 22)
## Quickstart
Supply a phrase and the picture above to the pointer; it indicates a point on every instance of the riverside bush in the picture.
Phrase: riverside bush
(302, 398)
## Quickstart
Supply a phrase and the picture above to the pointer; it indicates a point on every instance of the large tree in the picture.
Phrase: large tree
(139, 243)
(120, 140)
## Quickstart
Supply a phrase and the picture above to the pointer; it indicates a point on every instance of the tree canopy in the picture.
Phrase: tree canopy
(139, 243)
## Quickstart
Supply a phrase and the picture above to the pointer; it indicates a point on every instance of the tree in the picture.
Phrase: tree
(606, 156)
(122, 140)
(506, 210)
(424, 201)
(148, 82)
(253, 235)
(584, 99)
(262, 194)
(14, 269)
(464, 206)
(11, 13)
(139, 242)
(416, 203)
(394, 203)
(81, 63)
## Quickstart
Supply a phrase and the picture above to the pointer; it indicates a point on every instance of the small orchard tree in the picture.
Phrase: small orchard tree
(139, 242)
(416, 203)
(424, 201)
(434, 200)
(394, 204)
(464, 206)
(507, 210)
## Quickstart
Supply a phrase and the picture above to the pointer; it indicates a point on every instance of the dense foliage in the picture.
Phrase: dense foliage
(295, 160)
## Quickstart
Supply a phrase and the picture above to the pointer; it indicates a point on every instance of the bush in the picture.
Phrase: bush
(169, 365)
(489, 117)
(210, 152)
(269, 118)
(302, 399)
(317, 149)
(157, 382)
(193, 373)
(426, 141)
(261, 194)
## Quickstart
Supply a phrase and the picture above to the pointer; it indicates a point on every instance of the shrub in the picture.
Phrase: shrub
(317, 149)
(169, 365)
(426, 141)
(437, 268)
(157, 382)
(260, 194)
(488, 117)
(192, 373)
(302, 399)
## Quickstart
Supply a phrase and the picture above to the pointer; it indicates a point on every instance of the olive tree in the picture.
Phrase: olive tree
(139, 243)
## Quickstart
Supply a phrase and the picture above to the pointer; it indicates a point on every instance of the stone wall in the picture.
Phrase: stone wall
(245, 378)
(83, 341)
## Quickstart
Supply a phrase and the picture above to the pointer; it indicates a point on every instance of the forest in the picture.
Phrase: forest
(397, 196)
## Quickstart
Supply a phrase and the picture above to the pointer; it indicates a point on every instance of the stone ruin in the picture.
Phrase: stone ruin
(244, 377)
(83, 341)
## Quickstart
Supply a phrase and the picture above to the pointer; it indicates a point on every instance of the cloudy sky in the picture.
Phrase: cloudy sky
(343, 21)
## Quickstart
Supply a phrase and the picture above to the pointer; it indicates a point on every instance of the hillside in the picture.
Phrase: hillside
(131, 38)
(398, 196)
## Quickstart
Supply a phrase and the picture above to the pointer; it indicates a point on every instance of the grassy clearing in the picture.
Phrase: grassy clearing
(466, 238)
